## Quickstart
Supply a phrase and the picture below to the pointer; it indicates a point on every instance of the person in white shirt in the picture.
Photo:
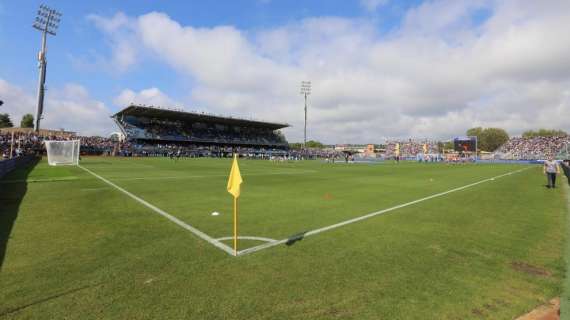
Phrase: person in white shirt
(551, 169)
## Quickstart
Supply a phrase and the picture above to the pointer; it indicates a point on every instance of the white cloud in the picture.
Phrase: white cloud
(122, 41)
(70, 108)
(151, 96)
(16, 101)
(442, 71)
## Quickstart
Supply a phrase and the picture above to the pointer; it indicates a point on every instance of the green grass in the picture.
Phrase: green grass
(80, 249)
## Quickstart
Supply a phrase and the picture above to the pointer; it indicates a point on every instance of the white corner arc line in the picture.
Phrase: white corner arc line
(248, 238)
(373, 214)
(168, 216)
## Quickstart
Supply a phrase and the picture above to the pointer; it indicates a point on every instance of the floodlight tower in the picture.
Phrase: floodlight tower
(47, 21)
(305, 90)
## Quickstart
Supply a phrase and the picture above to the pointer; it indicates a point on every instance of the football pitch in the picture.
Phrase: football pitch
(128, 238)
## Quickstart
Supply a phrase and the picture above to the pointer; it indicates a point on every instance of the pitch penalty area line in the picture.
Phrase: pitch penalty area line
(168, 216)
(373, 214)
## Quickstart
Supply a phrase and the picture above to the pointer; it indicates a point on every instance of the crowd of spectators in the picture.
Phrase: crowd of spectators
(410, 148)
(32, 143)
(194, 150)
(222, 151)
(171, 130)
(535, 148)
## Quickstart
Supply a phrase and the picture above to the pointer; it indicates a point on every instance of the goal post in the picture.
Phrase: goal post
(62, 152)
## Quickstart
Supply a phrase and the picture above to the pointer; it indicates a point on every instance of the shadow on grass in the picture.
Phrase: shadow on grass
(294, 238)
(46, 299)
(11, 195)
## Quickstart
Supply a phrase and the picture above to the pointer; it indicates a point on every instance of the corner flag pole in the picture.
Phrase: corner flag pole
(235, 225)
(234, 188)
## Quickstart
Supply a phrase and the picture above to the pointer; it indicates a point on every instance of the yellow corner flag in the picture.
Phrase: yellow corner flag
(234, 187)
(235, 180)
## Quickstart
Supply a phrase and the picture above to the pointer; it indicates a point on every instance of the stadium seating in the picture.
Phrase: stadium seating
(410, 148)
(141, 123)
(532, 148)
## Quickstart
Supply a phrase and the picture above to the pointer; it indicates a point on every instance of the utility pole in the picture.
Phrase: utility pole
(305, 90)
(47, 21)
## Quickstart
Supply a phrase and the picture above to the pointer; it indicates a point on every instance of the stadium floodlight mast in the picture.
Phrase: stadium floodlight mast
(47, 21)
(305, 90)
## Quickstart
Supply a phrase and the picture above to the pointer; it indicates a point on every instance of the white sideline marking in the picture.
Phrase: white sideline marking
(248, 238)
(373, 214)
(168, 216)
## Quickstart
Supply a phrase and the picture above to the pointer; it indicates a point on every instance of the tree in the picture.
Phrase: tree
(5, 121)
(27, 121)
(544, 133)
(296, 146)
(493, 138)
(475, 132)
(310, 144)
(489, 139)
(314, 144)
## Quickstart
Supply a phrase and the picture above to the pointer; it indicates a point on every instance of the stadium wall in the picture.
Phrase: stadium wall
(6, 166)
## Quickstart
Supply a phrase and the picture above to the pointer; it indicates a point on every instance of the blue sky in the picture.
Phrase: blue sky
(380, 68)
(78, 38)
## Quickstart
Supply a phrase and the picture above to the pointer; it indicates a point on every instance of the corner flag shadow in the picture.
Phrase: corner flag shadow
(11, 195)
(294, 238)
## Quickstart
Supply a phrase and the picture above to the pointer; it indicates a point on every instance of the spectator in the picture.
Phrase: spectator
(551, 169)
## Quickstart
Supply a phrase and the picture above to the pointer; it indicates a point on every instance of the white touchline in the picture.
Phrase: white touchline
(373, 214)
(168, 216)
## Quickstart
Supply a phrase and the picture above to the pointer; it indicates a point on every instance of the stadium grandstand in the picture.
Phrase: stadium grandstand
(150, 124)
(410, 148)
(535, 148)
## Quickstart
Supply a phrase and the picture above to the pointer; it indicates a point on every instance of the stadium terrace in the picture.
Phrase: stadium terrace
(145, 124)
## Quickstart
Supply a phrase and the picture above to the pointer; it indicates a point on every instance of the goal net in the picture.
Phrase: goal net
(62, 152)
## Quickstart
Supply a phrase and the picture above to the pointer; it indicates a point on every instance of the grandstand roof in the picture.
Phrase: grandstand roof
(155, 112)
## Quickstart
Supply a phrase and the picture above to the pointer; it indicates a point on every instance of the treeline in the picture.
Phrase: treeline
(310, 144)
(544, 133)
(26, 122)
